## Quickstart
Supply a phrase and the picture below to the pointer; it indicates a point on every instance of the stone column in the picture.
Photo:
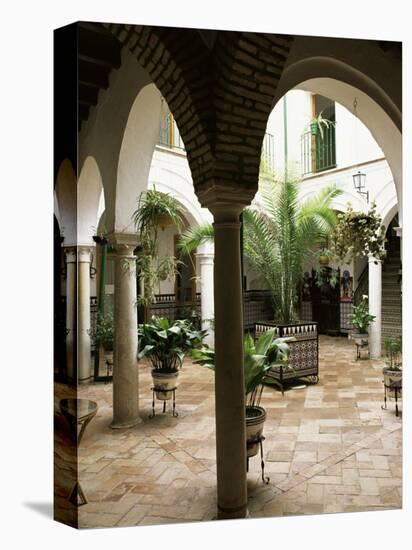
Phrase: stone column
(229, 375)
(70, 253)
(206, 260)
(375, 306)
(84, 357)
(125, 372)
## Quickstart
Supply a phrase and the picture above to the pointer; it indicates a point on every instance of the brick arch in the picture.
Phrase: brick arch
(220, 96)
(177, 60)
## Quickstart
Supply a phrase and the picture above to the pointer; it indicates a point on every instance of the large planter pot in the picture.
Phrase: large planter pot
(392, 379)
(163, 381)
(255, 419)
(304, 351)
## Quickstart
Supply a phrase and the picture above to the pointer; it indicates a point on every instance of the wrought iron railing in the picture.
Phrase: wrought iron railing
(169, 135)
(318, 152)
(363, 286)
(268, 150)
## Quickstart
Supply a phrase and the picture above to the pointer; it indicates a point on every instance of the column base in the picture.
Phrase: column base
(85, 381)
(127, 424)
(241, 512)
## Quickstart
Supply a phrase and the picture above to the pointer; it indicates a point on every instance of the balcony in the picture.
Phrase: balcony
(169, 134)
(318, 153)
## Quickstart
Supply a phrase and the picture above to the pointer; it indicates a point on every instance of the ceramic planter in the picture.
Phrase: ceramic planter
(255, 419)
(163, 381)
(391, 379)
(324, 260)
(314, 128)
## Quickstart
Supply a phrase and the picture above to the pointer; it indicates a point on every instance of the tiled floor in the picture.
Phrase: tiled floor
(329, 448)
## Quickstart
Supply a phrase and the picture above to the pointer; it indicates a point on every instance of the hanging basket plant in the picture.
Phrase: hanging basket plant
(359, 234)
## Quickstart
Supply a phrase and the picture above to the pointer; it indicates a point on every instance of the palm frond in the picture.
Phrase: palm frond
(193, 237)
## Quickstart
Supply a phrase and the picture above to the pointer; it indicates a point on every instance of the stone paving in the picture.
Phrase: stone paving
(329, 448)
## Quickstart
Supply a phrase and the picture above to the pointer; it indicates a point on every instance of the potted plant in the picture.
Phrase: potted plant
(392, 373)
(318, 124)
(361, 319)
(165, 344)
(103, 334)
(324, 255)
(259, 357)
(358, 234)
(155, 210)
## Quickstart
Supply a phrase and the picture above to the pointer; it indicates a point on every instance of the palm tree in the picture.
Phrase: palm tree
(279, 238)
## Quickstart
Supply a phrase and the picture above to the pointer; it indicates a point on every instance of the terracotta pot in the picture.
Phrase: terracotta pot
(391, 378)
(255, 419)
(164, 381)
(324, 260)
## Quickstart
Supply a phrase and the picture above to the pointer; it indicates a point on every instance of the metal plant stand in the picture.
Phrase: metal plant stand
(260, 439)
(173, 390)
(397, 387)
(364, 346)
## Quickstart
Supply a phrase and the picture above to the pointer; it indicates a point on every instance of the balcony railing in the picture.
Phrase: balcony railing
(318, 152)
(169, 134)
(268, 150)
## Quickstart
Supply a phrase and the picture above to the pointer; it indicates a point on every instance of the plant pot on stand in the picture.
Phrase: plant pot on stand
(392, 380)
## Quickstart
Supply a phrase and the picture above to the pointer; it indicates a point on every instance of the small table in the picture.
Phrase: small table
(78, 413)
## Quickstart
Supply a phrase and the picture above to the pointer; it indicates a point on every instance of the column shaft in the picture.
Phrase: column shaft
(375, 306)
(229, 375)
(71, 314)
(206, 264)
(125, 372)
(84, 357)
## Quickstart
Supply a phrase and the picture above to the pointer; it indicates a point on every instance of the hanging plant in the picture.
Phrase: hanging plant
(155, 210)
(359, 234)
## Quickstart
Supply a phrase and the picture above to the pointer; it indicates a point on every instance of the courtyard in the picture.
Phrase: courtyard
(329, 448)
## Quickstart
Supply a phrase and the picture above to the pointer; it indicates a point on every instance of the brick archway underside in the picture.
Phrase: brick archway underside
(221, 97)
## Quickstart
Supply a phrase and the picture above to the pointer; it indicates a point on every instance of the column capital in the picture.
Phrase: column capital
(85, 253)
(123, 243)
(398, 231)
(373, 260)
(70, 254)
(225, 200)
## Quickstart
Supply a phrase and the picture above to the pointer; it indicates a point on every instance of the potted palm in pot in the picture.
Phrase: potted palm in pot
(165, 344)
(361, 320)
(392, 373)
(259, 357)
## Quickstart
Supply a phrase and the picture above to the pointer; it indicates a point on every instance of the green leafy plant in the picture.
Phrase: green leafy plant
(359, 234)
(155, 210)
(360, 317)
(166, 343)
(393, 352)
(259, 357)
(278, 238)
(324, 275)
(102, 334)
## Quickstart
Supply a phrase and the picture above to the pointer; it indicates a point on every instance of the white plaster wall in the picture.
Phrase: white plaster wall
(354, 142)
